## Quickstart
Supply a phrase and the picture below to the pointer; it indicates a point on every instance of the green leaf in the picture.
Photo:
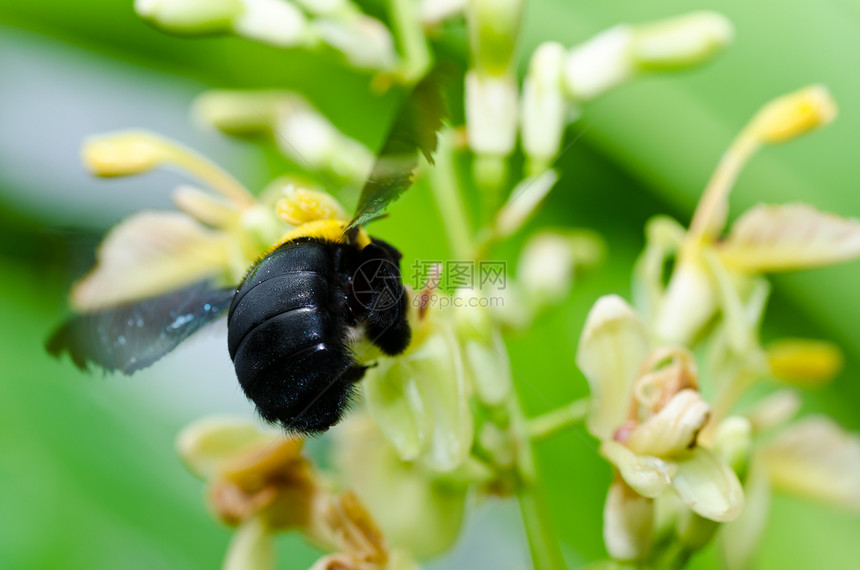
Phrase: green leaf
(415, 129)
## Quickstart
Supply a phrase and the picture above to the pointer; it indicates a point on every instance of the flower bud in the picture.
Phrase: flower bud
(365, 41)
(544, 110)
(327, 7)
(549, 260)
(189, 16)
(493, 29)
(612, 348)
(681, 41)
(275, 22)
(792, 115)
(491, 113)
(599, 64)
(306, 136)
(546, 267)
(524, 201)
(239, 113)
(733, 442)
(804, 362)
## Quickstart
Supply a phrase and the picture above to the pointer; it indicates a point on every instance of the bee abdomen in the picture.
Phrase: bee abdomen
(272, 299)
(287, 336)
(291, 364)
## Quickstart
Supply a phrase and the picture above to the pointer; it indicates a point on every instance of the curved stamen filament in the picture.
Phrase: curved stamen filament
(134, 152)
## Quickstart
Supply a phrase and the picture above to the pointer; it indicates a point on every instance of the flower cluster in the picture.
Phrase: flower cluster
(646, 408)
(441, 424)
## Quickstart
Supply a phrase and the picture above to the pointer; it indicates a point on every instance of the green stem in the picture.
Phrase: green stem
(449, 199)
(677, 558)
(558, 419)
(543, 543)
(410, 36)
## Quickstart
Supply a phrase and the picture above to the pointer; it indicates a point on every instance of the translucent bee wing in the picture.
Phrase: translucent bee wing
(415, 129)
(132, 336)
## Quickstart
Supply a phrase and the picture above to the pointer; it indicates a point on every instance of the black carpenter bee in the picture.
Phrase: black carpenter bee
(293, 320)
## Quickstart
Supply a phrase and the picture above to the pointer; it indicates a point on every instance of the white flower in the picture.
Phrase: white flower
(647, 412)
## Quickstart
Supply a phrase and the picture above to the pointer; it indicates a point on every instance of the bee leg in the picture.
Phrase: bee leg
(379, 296)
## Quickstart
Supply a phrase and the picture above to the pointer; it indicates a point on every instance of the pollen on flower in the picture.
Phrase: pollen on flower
(121, 155)
(300, 206)
(805, 362)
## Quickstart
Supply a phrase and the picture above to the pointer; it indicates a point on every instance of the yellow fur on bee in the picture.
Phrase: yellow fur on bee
(328, 230)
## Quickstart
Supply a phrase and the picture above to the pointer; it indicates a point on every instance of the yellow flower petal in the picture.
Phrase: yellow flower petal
(709, 486)
(148, 254)
(648, 476)
(816, 458)
(628, 521)
(804, 362)
(613, 347)
(209, 444)
(788, 237)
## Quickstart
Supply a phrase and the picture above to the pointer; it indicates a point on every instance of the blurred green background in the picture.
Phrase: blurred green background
(88, 477)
